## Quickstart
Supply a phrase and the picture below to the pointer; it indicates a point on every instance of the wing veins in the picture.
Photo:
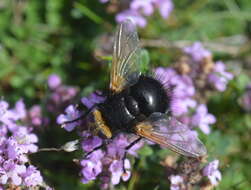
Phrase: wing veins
(125, 57)
(169, 145)
(128, 58)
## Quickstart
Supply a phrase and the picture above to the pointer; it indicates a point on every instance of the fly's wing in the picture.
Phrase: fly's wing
(125, 64)
(172, 134)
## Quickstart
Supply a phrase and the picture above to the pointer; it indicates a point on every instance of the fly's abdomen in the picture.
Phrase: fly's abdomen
(116, 114)
(150, 96)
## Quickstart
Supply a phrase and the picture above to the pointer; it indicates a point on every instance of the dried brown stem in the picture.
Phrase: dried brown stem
(50, 150)
(232, 45)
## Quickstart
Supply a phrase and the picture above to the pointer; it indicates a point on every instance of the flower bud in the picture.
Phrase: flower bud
(70, 146)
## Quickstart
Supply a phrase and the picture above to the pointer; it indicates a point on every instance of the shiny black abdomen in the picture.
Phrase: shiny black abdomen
(150, 95)
(122, 111)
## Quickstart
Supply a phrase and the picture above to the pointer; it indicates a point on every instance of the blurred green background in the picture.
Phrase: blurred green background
(38, 38)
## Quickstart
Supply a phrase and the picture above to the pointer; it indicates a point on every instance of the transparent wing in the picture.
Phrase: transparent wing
(125, 64)
(171, 134)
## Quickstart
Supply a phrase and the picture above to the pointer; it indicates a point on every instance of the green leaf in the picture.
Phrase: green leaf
(241, 81)
(144, 60)
(89, 13)
(16, 81)
(146, 151)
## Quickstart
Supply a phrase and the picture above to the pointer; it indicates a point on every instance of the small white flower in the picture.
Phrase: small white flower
(70, 146)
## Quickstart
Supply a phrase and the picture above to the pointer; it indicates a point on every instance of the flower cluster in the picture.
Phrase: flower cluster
(189, 174)
(140, 9)
(61, 95)
(211, 171)
(191, 79)
(176, 182)
(16, 142)
(106, 163)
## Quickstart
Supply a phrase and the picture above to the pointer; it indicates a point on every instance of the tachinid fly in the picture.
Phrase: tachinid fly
(139, 104)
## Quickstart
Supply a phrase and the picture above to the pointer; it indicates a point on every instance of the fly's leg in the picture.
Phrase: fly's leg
(87, 112)
(128, 148)
(82, 116)
(95, 149)
(107, 141)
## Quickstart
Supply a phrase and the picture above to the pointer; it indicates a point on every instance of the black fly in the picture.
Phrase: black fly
(139, 104)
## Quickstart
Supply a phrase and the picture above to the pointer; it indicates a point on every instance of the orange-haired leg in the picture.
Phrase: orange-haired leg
(101, 124)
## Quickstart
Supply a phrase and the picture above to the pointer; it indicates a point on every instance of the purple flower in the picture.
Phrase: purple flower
(26, 140)
(92, 166)
(11, 171)
(138, 8)
(165, 7)
(103, 1)
(19, 112)
(54, 81)
(93, 98)
(203, 119)
(9, 116)
(60, 97)
(16, 174)
(20, 144)
(16, 142)
(109, 160)
(114, 158)
(138, 19)
(66, 93)
(211, 171)
(13, 149)
(71, 114)
(197, 51)
(32, 177)
(182, 84)
(176, 181)
(183, 90)
(133, 150)
(116, 148)
(164, 74)
(219, 78)
(146, 6)
(245, 100)
(35, 115)
(3, 108)
(116, 169)
(91, 142)
(182, 106)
